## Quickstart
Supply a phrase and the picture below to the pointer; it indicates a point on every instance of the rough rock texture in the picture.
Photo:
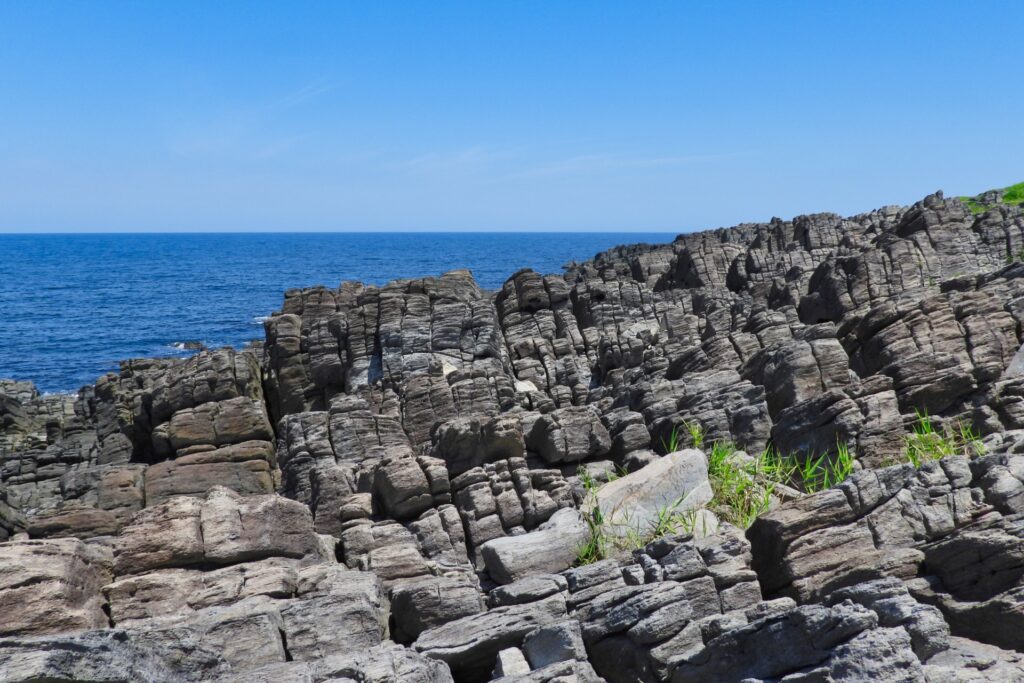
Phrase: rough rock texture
(676, 482)
(551, 548)
(395, 485)
(52, 586)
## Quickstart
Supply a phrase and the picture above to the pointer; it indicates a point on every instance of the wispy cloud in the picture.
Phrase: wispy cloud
(307, 92)
(276, 148)
(591, 163)
(504, 164)
(250, 130)
(469, 157)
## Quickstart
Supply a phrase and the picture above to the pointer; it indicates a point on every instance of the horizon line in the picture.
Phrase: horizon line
(347, 232)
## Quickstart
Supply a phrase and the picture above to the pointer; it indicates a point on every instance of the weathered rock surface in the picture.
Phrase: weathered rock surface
(52, 586)
(554, 546)
(381, 664)
(470, 645)
(109, 655)
(396, 485)
(675, 484)
(223, 528)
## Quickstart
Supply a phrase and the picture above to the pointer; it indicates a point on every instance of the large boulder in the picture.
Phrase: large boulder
(181, 592)
(807, 637)
(976, 577)
(469, 442)
(553, 547)
(872, 525)
(423, 603)
(470, 645)
(219, 424)
(52, 586)
(245, 468)
(569, 435)
(223, 528)
(556, 643)
(406, 487)
(674, 484)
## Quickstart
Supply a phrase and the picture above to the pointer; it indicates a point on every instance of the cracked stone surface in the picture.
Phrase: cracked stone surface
(395, 485)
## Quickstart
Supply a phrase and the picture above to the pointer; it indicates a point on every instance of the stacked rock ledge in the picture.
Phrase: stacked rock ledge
(428, 482)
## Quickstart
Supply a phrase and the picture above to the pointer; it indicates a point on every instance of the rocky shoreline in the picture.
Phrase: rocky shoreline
(779, 451)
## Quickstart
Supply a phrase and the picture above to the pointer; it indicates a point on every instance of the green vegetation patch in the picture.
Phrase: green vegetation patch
(1013, 195)
(603, 543)
(743, 486)
(927, 442)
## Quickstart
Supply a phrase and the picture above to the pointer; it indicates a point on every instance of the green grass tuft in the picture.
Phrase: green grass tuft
(1013, 195)
(743, 490)
(696, 434)
(596, 548)
(742, 487)
(604, 544)
(675, 440)
(826, 471)
(927, 442)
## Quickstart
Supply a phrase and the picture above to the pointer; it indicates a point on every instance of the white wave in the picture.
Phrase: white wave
(187, 346)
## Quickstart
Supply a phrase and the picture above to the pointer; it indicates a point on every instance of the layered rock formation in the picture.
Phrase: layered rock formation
(394, 485)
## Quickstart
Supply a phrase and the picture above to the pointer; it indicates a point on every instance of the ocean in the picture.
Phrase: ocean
(73, 306)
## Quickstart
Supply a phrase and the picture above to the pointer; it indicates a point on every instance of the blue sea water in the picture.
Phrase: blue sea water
(73, 306)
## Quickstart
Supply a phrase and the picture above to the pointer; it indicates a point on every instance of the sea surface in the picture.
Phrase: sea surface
(73, 306)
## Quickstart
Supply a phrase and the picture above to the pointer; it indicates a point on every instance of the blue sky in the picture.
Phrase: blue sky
(644, 116)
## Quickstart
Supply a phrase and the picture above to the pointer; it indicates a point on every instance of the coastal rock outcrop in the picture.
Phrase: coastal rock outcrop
(786, 451)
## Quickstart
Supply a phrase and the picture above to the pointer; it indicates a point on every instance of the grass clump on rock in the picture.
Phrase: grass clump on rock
(674, 441)
(927, 441)
(605, 542)
(826, 471)
(743, 487)
(1012, 195)
(598, 546)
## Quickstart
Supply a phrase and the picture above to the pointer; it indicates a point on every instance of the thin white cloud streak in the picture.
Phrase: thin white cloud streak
(275, 149)
(310, 91)
(591, 163)
(470, 157)
(477, 157)
(242, 130)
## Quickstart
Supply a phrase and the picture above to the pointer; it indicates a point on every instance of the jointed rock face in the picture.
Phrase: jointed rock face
(398, 485)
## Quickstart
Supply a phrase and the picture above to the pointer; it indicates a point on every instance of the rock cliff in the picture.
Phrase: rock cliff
(790, 451)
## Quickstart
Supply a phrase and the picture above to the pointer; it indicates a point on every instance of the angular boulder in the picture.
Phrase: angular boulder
(674, 484)
(52, 586)
(223, 528)
(244, 467)
(551, 548)
(470, 645)
(569, 435)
